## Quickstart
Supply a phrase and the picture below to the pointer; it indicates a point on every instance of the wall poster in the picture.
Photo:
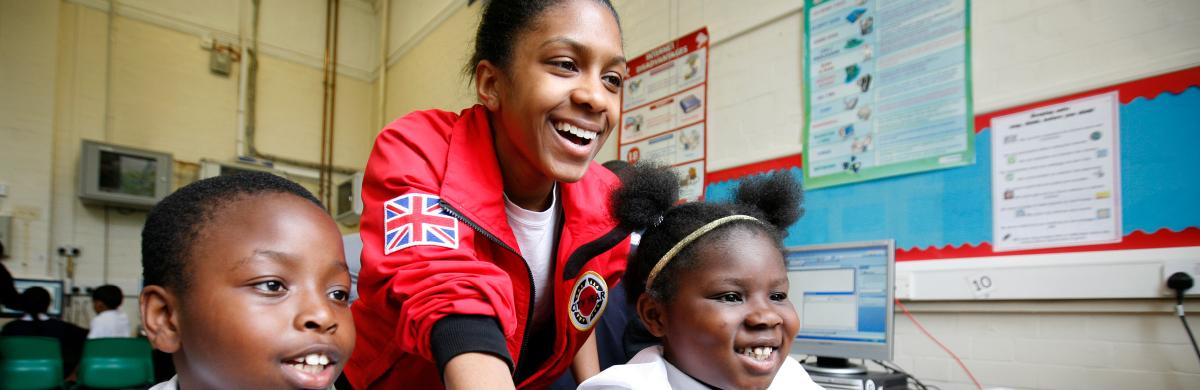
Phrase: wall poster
(887, 89)
(664, 112)
(1056, 175)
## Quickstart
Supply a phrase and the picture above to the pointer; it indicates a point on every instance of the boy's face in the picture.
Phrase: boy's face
(560, 95)
(268, 307)
(730, 323)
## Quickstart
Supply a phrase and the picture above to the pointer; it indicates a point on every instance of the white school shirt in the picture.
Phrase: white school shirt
(172, 384)
(109, 323)
(648, 370)
(535, 233)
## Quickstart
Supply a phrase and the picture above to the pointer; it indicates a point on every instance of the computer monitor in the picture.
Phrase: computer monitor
(844, 296)
(54, 287)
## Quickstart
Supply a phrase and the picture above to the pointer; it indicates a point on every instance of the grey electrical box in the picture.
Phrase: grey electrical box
(220, 62)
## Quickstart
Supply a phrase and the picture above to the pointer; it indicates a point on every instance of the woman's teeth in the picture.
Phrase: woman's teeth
(578, 132)
(757, 353)
(312, 363)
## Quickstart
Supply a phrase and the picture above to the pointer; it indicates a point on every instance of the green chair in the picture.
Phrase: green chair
(115, 363)
(30, 362)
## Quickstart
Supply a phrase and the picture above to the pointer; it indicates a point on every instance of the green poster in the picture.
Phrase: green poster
(887, 89)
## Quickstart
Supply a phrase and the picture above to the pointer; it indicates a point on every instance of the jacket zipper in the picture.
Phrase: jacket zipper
(532, 287)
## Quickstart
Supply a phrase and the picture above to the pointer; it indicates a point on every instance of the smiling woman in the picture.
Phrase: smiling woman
(488, 247)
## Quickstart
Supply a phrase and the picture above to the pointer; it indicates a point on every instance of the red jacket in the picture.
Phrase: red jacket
(422, 296)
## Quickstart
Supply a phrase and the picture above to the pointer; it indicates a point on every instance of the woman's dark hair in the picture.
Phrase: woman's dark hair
(645, 201)
(503, 22)
(35, 300)
(174, 224)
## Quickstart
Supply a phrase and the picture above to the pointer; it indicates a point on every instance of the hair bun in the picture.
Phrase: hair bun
(646, 192)
(776, 194)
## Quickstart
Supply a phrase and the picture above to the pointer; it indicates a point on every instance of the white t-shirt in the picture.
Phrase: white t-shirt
(109, 323)
(172, 384)
(648, 370)
(535, 232)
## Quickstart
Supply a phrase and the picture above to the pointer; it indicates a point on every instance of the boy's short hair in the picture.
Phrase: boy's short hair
(110, 295)
(35, 300)
(173, 225)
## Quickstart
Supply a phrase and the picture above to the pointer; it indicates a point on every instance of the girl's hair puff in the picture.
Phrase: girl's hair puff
(645, 203)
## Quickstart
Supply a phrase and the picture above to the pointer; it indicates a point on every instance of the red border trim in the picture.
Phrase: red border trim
(1149, 88)
(1163, 238)
(785, 162)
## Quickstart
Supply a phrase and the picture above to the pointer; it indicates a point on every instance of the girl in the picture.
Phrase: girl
(709, 280)
(488, 247)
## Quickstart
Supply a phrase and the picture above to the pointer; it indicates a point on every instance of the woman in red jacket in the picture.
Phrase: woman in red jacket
(488, 246)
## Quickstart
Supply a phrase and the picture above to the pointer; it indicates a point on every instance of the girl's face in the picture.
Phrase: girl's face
(730, 323)
(558, 100)
(268, 306)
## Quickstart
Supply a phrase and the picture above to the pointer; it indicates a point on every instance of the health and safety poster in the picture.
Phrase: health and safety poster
(664, 110)
(1056, 175)
(887, 89)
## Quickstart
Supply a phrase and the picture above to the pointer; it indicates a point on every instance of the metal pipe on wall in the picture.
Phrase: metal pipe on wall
(385, 18)
(250, 111)
(329, 99)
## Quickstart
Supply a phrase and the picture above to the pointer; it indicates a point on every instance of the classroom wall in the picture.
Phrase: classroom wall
(159, 94)
(1023, 51)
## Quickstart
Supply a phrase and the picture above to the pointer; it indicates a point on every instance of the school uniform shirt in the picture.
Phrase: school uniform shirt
(442, 271)
(648, 370)
(172, 384)
(109, 323)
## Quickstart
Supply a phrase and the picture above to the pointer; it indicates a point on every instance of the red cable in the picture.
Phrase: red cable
(939, 343)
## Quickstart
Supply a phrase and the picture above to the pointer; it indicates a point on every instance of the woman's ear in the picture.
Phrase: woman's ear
(488, 78)
(160, 317)
(653, 315)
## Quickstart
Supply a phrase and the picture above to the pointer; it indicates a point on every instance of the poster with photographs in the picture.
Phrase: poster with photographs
(665, 110)
(887, 89)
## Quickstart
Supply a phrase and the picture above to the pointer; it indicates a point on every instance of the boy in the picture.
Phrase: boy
(246, 286)
(109, 320)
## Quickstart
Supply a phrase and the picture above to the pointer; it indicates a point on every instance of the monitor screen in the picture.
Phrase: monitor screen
(54, 287)
(127, 174)
(114, 175)
(843, 295)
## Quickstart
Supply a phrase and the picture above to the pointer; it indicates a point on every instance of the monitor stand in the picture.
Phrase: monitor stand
(834, 366)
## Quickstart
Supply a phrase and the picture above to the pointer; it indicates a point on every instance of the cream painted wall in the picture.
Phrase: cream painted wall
(429, 75)
(28, 35)
(57, 90)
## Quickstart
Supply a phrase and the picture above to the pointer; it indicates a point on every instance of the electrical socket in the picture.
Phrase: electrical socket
(904, 285)
(1190, 267)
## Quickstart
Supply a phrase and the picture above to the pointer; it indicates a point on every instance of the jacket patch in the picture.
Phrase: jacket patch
(589, 298)
(417, 219)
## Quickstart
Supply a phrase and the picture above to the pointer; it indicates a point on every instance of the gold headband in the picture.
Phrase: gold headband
(662, 262)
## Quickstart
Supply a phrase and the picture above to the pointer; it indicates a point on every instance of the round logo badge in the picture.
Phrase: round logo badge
(589, 297)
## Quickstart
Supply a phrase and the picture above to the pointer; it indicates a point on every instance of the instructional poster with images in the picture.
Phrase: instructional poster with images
(887, 89)
(664, 112)
(1056, 178)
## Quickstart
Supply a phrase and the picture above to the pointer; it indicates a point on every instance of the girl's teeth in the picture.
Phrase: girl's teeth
(758, 353)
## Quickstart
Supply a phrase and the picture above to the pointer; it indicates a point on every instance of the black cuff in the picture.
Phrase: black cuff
(459, 334)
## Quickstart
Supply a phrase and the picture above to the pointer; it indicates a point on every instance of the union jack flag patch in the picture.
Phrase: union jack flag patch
(417, 219)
